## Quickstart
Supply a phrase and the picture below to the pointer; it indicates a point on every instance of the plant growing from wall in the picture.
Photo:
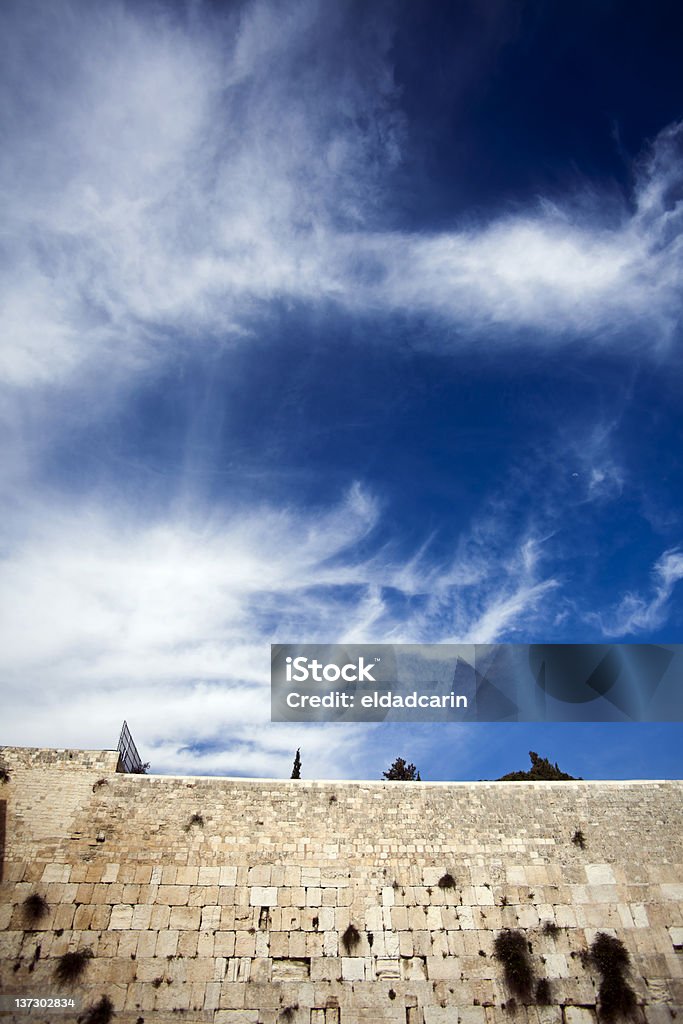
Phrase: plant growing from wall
(35, 908)
(351, 938)
(100, 1012)
(71, 966)
(197, 820)
(296, 767)
(579, 839)
(4, 775)
(446, 881)
(550, 928)
(512, 949)
(287, 1013)
(616, 997)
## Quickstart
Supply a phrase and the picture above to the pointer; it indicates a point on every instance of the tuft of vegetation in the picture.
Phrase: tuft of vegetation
(446, 881)
(98, 785)
(158, 982)
(35, 908)
(504, 901)
(400, 771)
(351, 938)
(512, 949)
(197, 820)
(71, 966)
(550, 928)
(142, 770)
(296, 767)
(541, 771)
(4, 774)
(333, 799)
(100, 1012)
(579, 839)
(287, 1013)
(616, 997)
(543, 992)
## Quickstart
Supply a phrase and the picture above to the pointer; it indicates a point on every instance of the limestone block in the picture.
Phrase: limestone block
(292, 875)
(388, 896)
(297, 944)
(245, 944)
(185, 918)
(224, 944)
(173, 895)
(160, 917)
(167, 943)
(56, 873)
(465, 917)
(263, 896)
(187, 875)
(314, 896)
(211, 917)
(556, 965)
(578, 1015)
(434, 919)
(146, 944)
(227, 875)
(599, 874)
(208, 876)
(203, 895)
(639, 914)
(483, 896)
(236, 1017)
(441, 968)
(353, 968)
(658, 1014)
(121, 916)
(212, 995)
(471, 1015)
(439, 1015)
(259, 874)
(141, 917)
(549, 1014)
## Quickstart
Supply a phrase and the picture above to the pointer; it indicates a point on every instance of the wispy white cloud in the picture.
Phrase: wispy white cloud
(167, 178)
(637, 613)
(169, 623)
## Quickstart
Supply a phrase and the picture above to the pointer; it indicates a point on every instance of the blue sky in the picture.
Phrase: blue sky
(334, 322)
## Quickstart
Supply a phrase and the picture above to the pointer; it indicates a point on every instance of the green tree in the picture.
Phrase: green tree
(402, 772)
(541, 771)
(296, 767)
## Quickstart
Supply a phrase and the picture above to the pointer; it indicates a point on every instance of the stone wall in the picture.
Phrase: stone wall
(232, 900)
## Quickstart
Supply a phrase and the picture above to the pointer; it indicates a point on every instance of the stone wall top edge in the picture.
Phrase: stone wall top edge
(78, 753)
(380, 783)
(8, 748)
